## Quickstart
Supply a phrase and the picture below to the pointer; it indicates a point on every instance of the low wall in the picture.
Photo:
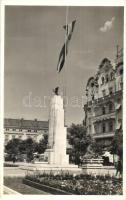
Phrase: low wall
(99, 170)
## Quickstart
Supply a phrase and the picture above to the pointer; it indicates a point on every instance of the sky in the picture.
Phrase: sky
(34, 36)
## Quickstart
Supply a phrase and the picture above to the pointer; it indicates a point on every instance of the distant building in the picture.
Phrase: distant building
(23, 129)
(104, 91)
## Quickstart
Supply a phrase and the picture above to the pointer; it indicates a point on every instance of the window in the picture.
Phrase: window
(110, 126)
(107, 78)
(103, 110)
(110, 90)
(29, 130)
(14, 129)
(92, 84)
(20, 130)
(103, 128)
(121, 71)
(93, 97)
(103, 93)
(110, 107)
(6, 137)
(7, 129)
(13, 136)
(111, 76)
(35, 131)
(103, 80)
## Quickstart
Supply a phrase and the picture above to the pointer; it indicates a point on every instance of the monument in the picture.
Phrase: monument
(57, 132)
(57, 140)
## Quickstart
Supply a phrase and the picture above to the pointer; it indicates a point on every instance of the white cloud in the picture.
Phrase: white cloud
(107, 25)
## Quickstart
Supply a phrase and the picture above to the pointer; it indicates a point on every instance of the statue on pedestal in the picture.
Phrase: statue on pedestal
(56, 91)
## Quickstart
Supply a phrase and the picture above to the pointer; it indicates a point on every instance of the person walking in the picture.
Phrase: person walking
(119, 168)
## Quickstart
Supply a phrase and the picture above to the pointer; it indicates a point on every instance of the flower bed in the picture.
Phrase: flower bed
(80, 184)
(10, 165)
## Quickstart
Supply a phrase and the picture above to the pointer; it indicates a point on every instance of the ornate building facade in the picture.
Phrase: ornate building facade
(104, 91)
(23, 129)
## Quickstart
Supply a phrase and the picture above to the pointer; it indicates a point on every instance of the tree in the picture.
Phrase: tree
(42, 145)
(117, 145)
(30, 147)
(79, 141)
(18, 147)
(13, 147)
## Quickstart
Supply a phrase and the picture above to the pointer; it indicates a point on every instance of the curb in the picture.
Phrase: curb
(45, 188)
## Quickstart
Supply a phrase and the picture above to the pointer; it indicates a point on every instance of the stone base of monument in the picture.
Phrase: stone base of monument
(57, 157)
(99, 170)
(41, 166)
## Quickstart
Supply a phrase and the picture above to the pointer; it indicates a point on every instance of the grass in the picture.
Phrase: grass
(16, 184)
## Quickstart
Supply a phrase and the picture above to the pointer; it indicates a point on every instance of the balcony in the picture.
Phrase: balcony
(104, 135)
(104, 99)
(104, 117)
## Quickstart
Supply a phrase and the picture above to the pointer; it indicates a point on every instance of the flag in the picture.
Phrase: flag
(64, 51)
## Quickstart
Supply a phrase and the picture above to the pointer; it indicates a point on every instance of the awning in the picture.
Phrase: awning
(117, 106)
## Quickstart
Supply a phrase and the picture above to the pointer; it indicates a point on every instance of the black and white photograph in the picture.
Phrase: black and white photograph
(63, 100)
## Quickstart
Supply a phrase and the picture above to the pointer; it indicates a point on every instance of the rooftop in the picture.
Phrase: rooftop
(25, 124)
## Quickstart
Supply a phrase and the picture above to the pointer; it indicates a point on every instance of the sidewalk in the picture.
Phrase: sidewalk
(8, 190)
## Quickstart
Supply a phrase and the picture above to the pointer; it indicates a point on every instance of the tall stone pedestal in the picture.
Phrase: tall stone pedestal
(57, 133)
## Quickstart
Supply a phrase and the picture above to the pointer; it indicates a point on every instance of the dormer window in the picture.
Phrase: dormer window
(92, 84)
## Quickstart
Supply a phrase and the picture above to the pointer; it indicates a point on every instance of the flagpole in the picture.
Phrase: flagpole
(65, 78)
